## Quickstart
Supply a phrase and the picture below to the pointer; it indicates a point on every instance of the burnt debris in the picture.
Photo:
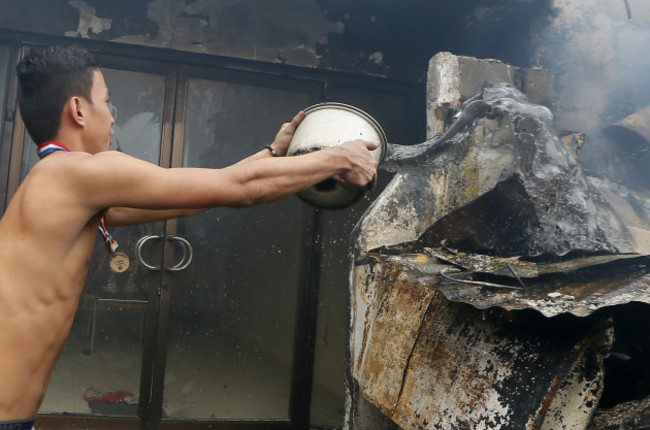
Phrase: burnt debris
(490, 252)
(539, 201)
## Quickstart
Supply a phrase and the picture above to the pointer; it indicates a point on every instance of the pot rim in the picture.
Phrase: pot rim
(360, 112)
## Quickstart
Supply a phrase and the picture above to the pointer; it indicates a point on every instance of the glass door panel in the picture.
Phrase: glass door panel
(232, 317)
(99, 369)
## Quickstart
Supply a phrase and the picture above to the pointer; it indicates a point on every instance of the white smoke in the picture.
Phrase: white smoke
(599, 57)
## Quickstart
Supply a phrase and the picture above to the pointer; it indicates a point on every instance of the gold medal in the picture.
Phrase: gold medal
(119, 262)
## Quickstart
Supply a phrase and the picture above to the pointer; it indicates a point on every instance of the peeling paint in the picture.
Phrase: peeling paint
(579, 286)
(89, 23)
(376, 57)
(240, 28)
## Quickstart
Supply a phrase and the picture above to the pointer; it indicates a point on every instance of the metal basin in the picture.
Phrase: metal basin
(331, 124)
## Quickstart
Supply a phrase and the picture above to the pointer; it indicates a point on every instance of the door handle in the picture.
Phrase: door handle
(138, 251)
(187, 254)
(184, 262)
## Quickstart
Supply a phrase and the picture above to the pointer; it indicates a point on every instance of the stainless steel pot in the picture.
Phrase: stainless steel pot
(331, 124)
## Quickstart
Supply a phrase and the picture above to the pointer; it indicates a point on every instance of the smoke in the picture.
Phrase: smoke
(597, 51)
(598, 57)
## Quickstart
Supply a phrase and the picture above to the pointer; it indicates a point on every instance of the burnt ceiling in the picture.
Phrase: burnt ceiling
(406, 33)
(394, 38)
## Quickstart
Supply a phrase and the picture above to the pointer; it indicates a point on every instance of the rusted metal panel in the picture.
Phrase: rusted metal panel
(391, 339)
(428, 363)
(575, 285)
(527, 267)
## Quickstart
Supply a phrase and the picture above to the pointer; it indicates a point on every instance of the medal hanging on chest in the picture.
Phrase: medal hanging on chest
(118, 261)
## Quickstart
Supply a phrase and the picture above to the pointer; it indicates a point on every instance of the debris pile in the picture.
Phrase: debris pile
(486, 271)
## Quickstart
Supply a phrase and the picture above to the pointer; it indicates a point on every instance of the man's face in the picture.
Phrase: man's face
(100, 121)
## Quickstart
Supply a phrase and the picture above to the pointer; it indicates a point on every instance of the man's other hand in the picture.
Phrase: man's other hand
(284, 136)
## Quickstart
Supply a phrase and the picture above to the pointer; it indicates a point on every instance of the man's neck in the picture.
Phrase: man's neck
(71, 139)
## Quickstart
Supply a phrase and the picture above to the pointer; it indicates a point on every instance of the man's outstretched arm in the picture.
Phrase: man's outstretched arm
(113, 179)
(130, 216)
(120, 216)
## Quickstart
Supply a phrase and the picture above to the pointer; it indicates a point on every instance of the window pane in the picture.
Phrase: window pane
(232, 317)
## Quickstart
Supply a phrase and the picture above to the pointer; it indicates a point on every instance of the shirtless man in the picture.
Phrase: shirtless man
(49, 229)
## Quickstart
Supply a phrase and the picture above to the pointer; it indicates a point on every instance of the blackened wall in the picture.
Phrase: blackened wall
(393, 38)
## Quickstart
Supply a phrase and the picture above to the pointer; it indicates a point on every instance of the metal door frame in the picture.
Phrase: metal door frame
(8, 123)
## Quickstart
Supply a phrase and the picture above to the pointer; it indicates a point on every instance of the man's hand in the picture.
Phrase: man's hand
(364, 165)
(283, 138)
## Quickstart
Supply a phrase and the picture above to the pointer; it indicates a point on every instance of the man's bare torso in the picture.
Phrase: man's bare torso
(44, 256)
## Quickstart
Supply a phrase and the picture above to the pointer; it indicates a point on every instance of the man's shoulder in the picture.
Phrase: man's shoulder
(77, 162)
(64, 170)
(58, 181)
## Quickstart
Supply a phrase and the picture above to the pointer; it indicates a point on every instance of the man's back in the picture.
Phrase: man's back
(47, 241)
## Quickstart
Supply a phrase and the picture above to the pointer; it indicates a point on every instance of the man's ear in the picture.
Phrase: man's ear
(75, 110)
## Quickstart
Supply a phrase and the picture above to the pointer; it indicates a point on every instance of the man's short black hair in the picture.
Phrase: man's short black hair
(47, 79)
